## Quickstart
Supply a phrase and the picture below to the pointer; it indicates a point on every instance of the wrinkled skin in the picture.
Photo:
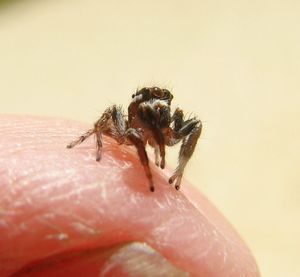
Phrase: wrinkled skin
(63, 213)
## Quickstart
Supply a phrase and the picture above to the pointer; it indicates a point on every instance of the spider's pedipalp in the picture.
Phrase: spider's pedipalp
(155, 115)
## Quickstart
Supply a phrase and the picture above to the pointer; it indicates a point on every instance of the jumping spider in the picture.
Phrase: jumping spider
(149, 121)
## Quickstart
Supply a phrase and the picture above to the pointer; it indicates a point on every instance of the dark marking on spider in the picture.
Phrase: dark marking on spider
(149, 121)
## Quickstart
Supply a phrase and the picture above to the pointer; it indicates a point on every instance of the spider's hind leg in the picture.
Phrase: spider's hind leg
(82, 138)
(112, 123)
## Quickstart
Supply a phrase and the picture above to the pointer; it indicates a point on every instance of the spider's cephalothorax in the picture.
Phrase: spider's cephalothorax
(149, 121)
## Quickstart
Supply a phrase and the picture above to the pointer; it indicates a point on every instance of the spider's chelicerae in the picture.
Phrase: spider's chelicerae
(149, 121)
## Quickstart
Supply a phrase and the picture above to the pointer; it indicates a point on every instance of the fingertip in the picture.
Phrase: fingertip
(53, 191)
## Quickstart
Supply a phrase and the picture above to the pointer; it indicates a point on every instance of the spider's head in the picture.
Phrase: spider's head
(145, 94)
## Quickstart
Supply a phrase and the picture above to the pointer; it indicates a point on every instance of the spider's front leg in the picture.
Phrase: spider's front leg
(137, 139)
(189, 132)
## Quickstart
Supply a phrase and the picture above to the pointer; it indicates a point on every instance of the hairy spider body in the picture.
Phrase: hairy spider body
(149, 121)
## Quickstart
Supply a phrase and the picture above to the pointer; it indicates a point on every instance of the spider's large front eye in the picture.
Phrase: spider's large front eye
(157, 92)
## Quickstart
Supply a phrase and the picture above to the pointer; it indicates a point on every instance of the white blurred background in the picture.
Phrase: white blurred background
(233, 63)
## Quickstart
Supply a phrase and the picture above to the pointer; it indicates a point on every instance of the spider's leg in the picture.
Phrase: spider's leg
(161, 145)
(156, 154)
(189, 133)
(177, 118)
(112, 123)
(172, 135)
(136, 138)
(98, 143)
(82, 138)
(118, 130)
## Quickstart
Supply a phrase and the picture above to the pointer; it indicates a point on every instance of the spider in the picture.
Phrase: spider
(149, 121)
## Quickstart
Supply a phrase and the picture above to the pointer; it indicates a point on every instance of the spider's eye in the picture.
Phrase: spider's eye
(133, 95)
(167, 94)
(158, 93)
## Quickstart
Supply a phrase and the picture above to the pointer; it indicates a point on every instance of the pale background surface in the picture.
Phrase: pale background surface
(234, 63)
